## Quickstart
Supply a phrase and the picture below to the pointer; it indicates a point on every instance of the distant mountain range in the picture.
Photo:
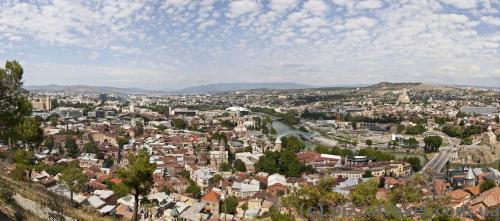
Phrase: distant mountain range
(224, 87)
(221, 87)
(91, 89)
(209, 88)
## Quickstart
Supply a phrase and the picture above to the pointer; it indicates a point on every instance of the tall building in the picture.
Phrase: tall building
(42, 104)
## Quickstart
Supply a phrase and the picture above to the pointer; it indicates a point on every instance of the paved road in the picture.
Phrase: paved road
(437, 163)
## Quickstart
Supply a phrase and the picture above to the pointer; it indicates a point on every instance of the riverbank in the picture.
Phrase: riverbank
(400, 155)
(283, 129)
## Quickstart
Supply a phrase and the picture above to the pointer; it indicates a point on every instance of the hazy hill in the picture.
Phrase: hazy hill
(91, 89)
(221, 87)
(393, 86)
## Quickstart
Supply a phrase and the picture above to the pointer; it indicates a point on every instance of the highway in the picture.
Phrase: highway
(437, 163)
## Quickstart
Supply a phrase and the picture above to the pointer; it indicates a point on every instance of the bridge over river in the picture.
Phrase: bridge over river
(305, 135)
(437, 163)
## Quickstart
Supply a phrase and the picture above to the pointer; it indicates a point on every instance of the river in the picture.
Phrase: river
(281, 128)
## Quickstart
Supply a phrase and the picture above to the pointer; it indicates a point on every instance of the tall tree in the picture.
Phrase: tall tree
(229, 205)
(121, 142)
(432, 143)
(369, 142)
(25, 162)
(74, 178)
(239, 165)
(138, 178)
(71, 146)
(364, 193)
(292, 143)
(486, 185)
(14, 105)
(28, 130)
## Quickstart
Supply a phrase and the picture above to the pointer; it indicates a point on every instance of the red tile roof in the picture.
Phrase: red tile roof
(211, 196)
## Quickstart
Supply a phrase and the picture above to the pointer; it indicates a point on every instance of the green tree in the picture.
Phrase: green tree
(225, 167)
(216, 178)
(25, 162)
(49, 143)
(14, 105)
(229, 205)
(268, 163)
(137, 178)
(239, 166)
(432, 143)
(417, 129)
(139, 128)
(486, 185)
(277, 216)
(364, 193)
(284, 162)
(292, 143)
(414, 162)
(411, 142)
(466, 141)
(74, 178)
(311, 195)
(121, 142)
(376, 154)
(369, 142)
(28, 130)
(405, 194)
(367, 174)
(400, 128)
(179, 123)
(91, 147)
(71, 147)
(194, 190)
(6, 195)
(289, 164)
(53, 119)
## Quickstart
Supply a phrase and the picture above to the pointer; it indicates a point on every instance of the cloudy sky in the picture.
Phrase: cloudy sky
(170, 44)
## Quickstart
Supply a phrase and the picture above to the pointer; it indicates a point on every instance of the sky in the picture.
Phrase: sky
(172, 44)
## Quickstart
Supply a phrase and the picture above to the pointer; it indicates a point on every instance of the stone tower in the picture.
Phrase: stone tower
(277, 144)
(470, 178)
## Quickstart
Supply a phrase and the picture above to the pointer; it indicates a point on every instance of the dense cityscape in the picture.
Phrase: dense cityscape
(262, 154)
(249, 110)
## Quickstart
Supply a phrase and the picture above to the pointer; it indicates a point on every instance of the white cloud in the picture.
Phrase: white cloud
(72, 23)
(454, 18)
(317, 7)
(282, 5)
(241, 7)
(204, 25)
(177, 3)
(495, 21)
(461, 4)
(323, 39)
(360, 22)
(369, 4)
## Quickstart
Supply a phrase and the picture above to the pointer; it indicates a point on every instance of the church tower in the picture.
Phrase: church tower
(277, 144)
(470, 178)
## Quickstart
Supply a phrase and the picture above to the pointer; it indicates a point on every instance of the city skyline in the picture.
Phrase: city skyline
(168, 45)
